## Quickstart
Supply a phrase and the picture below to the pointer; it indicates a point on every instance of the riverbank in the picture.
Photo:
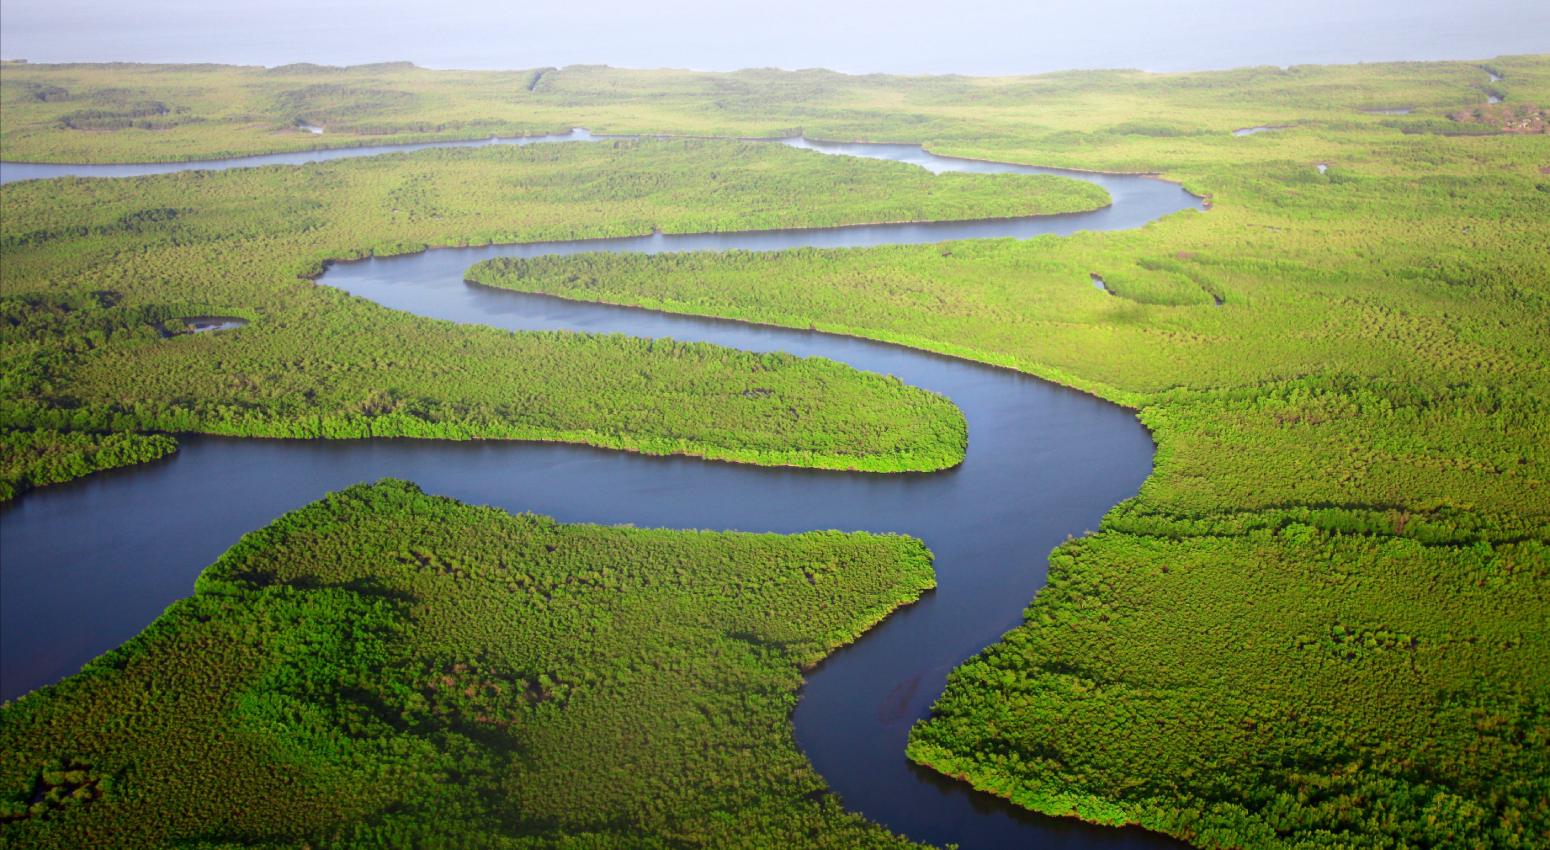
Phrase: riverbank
(1367, 405)
(680, 678)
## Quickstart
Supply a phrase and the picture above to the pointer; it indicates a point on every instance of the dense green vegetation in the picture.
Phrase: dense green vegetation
(388, 669)
(1089, 116)
(1322, 622)
(33, 458)
(1293, 687)
(1370, 401)
(98, 270)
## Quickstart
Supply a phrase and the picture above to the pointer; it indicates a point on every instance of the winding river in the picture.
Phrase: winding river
(88, 564)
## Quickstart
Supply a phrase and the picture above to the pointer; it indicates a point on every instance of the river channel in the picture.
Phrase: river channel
(88, 564)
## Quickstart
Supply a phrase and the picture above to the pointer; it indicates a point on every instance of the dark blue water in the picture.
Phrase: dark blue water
(86, 565)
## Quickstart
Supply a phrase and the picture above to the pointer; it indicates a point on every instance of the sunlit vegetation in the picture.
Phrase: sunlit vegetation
(1321, 623)
(228, 110)
(1379, 692)
(99, 272)
(1369, 398)
(388, 669)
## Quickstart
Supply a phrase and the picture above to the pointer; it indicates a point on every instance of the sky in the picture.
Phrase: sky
(981, 37)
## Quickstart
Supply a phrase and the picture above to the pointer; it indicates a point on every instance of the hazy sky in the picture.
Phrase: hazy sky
(905, 36)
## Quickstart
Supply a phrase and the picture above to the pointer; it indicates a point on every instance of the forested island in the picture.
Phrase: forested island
(506, 681)
(1323, 621)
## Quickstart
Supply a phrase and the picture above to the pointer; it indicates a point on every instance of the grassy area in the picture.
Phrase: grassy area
(1322, 621)
(1285, 686)
(97, 271)
(171, 112)
(385, 668)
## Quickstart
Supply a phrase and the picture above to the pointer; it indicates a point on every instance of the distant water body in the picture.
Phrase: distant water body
(986, 37)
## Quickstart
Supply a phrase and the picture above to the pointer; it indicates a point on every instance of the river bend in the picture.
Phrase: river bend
(88, 564)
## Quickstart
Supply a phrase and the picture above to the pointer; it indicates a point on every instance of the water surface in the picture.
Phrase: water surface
(107, 553)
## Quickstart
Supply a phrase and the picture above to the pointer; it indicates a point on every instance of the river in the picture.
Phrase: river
(87, 565)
